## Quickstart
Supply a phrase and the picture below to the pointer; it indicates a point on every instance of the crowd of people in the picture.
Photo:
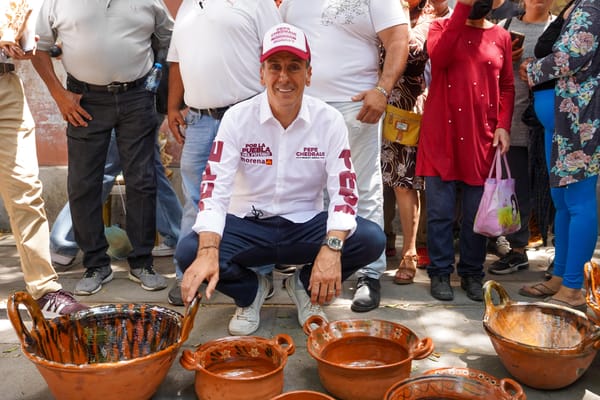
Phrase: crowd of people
(278, 110)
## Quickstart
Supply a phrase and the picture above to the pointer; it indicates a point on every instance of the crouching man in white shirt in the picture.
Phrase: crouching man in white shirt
(262, 195)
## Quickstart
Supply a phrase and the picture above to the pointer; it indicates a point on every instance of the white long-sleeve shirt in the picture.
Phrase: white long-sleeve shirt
(257, 167)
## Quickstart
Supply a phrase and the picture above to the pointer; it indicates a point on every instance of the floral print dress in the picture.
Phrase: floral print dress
(575, 63)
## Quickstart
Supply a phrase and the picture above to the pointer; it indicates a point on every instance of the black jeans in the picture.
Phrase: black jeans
(133, 116)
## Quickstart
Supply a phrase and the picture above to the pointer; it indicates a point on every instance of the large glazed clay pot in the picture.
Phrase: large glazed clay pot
(542, 345)
(359, 359)
(455, 384)
(303, 395)
(115, 351)
(239, 367)
(592, 287)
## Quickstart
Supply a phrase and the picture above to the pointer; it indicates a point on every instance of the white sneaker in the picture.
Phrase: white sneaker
(246, 320)
(162, 250)
(305, 308)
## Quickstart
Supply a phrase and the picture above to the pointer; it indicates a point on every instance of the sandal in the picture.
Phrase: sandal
(537, 291)
(578, 307)
(405, 274)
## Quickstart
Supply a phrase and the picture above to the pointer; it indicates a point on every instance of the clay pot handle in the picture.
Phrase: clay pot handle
(591, 286)
(313, 320)
(490, 308)
(423, 349)
(286, 342)
(188, 319)
(591, 339)
(513, 390)
(37, 317)
(188, 361)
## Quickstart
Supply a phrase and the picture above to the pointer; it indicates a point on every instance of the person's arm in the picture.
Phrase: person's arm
(395, 43)
(326, 275)
(216, 190)
(443, 34)
(567, 59)
(205, 267)
(174, 100)
(506, 84)
(67, 102)
(163, 28)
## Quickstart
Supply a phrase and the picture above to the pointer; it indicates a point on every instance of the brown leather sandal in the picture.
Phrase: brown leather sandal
(538, 291)
(405, 274)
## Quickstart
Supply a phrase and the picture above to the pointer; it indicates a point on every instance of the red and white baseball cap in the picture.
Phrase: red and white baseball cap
(285, 37)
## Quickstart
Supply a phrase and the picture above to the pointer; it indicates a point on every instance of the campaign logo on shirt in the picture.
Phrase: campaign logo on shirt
(310, 153)
(256, 153)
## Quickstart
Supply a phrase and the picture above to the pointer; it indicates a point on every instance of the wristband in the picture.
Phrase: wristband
(382, 91)
(212, 246)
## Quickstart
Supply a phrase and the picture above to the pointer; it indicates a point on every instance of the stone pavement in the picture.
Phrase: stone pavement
(455, 327)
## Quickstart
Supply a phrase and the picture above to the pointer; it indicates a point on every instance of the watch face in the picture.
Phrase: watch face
(334, 243)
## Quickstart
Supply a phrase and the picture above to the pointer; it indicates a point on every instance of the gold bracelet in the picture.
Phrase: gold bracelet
(212, 246)
(382, 91)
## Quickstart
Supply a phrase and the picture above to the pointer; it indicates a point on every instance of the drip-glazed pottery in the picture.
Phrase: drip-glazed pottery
(303, 395)
(542, 345)
(359, 359)
(239, 367)
(115, 351)
(592, 287)
(455, 384)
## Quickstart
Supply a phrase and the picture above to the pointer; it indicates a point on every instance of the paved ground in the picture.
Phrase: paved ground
(455, 327)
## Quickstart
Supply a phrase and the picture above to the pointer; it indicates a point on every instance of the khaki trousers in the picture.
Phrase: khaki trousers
(21, 188)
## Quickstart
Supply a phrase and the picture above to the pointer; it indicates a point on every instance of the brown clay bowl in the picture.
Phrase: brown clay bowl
(455, 384)
(542, 345)
(303, 395)
(359, 359)
(592, 287)
(116, 351)
(239, 367)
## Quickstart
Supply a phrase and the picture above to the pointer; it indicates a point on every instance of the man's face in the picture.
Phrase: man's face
(285, 75)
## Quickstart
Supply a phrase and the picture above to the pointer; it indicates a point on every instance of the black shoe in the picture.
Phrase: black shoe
(367, 295)
(271, 291)
(286, 269)
(441, 288)
(473, 286)
(512, 262)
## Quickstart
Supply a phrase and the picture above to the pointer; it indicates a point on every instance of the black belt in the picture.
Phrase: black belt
(6, 67)
(216, 113)
(114, 87)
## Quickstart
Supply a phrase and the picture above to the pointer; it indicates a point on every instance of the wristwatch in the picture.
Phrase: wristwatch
(333, 243)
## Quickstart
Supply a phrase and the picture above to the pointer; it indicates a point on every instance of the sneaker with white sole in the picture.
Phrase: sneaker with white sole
(512, 262)
(246, 320)
(163, 250)
(57, 303)
(62, 260)
(148, 278)
(296, 291)
(92, 280)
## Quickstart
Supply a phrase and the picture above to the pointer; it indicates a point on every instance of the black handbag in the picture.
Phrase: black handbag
(543, 46)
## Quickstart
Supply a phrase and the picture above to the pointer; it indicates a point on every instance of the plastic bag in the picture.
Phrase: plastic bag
(498, 212)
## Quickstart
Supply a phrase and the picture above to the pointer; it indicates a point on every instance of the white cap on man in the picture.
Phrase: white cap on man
(285, 37)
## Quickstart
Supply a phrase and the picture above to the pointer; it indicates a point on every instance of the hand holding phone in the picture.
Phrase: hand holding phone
(517, 39)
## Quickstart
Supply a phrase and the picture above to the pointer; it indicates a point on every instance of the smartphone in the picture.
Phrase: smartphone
(519, 37)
